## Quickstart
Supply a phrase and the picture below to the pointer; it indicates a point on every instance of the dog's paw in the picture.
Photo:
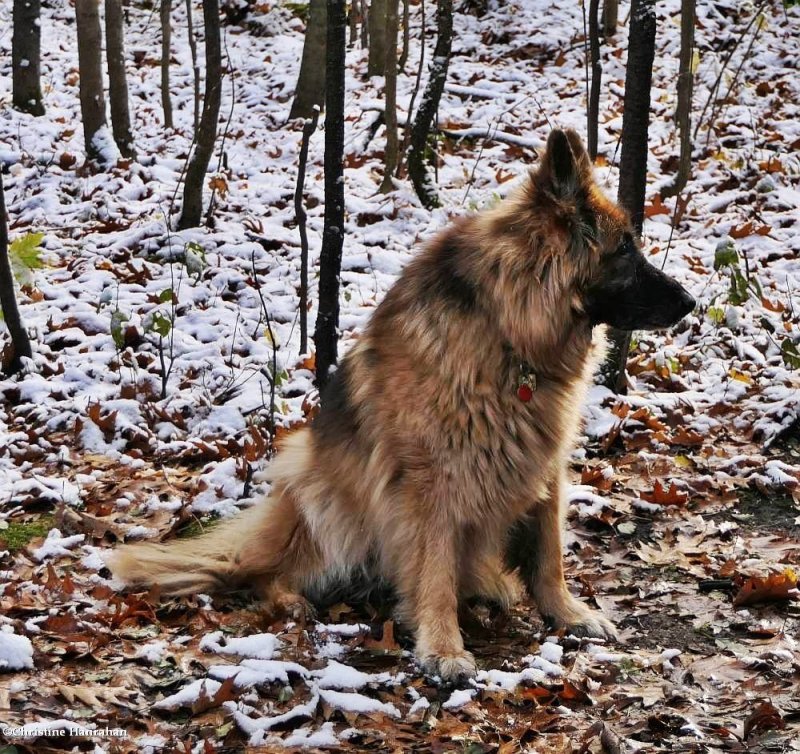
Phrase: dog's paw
(452, 669)
(587, 624)
(300, 610)
(288, 605)
(503, 592)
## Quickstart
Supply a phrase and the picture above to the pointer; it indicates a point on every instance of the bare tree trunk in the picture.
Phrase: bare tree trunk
(310, 92)
(195, 65)
(683, 112)
(330, 260)
(417, 80)
(636, 113)
(633, 160)
(300, 212)
(117, 79)
(610, 15)
(353, 17)
(20, 344)
(192, 209)
(364, 8)
(166, 39)
(26, 57)
(390, 155)
(376, 63)
(93, 104)
(593, 109)
(420, 131)
(401, 64)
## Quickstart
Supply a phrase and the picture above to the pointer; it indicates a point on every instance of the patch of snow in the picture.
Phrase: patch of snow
(335, 675)
(257, 646)
(351, 702)
(16, 652)
(459, 698)
(153, 651)
(56, 545)
(188, 695)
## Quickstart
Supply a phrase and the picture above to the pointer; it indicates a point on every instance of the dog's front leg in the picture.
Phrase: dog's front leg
(440, 647)
(536, 549)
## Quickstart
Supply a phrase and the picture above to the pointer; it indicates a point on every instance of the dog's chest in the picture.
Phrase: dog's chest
(502, 452)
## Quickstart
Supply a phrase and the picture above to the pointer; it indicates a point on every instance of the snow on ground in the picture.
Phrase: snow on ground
(16, 652)
(88, 435)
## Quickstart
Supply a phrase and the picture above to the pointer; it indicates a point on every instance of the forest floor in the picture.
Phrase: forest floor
(147, 410)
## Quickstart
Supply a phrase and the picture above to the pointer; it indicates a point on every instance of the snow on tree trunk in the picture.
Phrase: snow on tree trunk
(192, 208)
(26, 58)
(423, 121)
(330, 260)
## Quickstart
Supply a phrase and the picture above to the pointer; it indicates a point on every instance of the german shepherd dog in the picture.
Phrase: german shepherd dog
(438, 459)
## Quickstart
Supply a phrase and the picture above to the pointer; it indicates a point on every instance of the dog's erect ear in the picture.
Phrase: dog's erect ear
(565, 166)
(582, 161)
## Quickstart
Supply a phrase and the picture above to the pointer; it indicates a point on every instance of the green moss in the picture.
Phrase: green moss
(196, 527)
(18, 534)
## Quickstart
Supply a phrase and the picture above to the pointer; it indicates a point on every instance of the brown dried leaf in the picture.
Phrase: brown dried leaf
(225, 693)
(96, 696)
(387, 642)
(656, 207)
(597, 477)
(764, 717)
(683, 436)
(661, 496)
(777, 587)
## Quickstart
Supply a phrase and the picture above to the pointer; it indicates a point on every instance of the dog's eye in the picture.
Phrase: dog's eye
(626, 246)
(622, 250)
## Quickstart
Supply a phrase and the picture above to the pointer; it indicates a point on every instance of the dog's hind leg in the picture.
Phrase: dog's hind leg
(280, 598)
(297, 564)
(536, 549)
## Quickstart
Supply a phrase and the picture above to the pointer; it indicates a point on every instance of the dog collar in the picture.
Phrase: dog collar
(526, 382)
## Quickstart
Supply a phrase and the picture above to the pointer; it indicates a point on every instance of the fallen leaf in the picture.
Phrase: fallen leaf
(225, 693)
(764, 717)
(387, 642)
(683, 436)
(656, 207)
(662, 496)
(597, 477)
(96, 696)
(777, 587)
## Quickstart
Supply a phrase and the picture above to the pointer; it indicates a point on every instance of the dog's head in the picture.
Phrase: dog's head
(615, 284)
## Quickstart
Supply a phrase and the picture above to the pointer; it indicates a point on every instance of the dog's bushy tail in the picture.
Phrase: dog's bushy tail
(224, 556)
(258, 542)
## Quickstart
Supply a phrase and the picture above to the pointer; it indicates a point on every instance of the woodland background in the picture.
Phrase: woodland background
(179, 262)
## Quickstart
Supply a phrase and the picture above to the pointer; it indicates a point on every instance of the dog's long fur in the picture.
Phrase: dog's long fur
(423, 457)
